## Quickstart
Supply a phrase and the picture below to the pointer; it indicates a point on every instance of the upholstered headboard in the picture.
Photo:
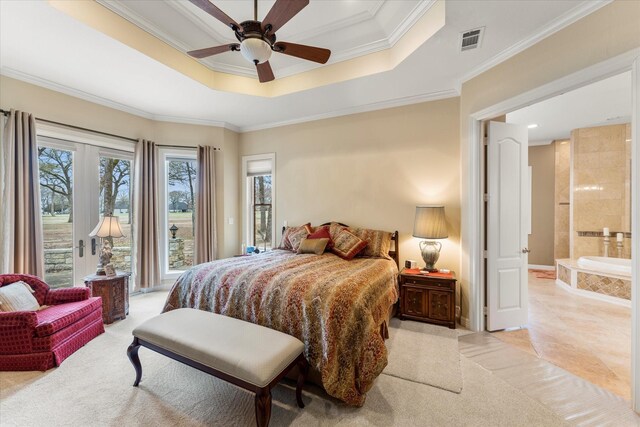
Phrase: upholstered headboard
(393, 253)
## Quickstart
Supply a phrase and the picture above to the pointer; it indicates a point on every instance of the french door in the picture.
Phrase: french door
(79, 183)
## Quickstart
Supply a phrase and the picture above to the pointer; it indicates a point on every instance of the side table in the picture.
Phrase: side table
(114, 291)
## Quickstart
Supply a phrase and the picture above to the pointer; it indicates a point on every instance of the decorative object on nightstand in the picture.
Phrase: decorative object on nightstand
(114, 291)
(428, 297)
(109, 226)
(430, 223)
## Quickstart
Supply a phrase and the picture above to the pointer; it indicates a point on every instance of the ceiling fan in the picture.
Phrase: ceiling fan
(258, 38)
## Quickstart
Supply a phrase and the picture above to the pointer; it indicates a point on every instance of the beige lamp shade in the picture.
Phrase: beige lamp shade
(430, 223)
(109, 226)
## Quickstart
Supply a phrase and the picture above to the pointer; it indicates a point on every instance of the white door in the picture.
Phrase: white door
(508, 214)
(74, 178)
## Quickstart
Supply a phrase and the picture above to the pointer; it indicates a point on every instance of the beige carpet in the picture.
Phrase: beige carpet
(93, 388)
(423, 353)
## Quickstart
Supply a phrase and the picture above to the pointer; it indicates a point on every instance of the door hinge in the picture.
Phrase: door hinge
(485, 197)
(484, 310)
(485, 254)
(485, 141)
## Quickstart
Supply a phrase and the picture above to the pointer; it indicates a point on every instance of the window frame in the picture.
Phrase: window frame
(165, 155)
(247, 199)
(254, 205)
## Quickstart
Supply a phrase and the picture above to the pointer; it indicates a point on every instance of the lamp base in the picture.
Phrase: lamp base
(430, 270)
(430, 253)
(100, 271)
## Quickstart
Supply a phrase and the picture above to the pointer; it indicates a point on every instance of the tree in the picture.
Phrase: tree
(56, 174)
(114, 175)
(184, 172)
(176, 198)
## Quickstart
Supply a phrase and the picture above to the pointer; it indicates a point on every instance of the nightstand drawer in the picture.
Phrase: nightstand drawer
(428, 298)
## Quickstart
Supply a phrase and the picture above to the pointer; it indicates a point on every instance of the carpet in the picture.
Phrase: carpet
(423, 353)
(93, 387)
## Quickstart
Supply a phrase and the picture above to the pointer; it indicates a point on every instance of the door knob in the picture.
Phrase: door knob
(526, 250)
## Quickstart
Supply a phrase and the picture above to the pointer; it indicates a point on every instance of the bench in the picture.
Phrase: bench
(250, 356)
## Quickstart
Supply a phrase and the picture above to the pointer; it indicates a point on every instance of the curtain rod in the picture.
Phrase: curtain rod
(6, 113)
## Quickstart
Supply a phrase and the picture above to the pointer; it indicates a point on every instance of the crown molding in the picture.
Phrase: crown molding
(563, 21)
(48, 84)
(380, 105)
(406, 24)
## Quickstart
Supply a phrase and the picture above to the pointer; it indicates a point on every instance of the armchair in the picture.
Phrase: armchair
(40, 340)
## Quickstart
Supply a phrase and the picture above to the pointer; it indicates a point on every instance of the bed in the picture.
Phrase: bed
(339, 309)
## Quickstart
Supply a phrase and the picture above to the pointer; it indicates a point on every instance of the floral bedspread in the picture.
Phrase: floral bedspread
(335, 307)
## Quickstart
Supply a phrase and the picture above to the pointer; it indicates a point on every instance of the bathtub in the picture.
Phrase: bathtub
(606, 265)
(606, 279)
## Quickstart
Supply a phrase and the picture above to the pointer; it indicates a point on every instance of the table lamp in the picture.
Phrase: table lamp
(109, 226)
(430, 223)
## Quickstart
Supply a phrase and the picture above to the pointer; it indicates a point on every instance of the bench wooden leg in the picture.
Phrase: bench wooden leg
(303, 369)
(132, 352)
(263, 407)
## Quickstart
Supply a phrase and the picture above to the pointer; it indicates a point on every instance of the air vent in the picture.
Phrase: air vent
(471, 39)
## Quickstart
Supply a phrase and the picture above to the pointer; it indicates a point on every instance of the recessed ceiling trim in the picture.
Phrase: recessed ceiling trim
(381, 105)
(553, 27)
(76, 93)
(417, 12)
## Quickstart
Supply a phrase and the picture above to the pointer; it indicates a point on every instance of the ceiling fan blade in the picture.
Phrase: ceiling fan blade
(209, 51)
(281, 12)
(310, 53)
(265, 73)
(212, 10)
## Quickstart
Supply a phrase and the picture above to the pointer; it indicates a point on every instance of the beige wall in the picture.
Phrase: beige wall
(606, 33)
(51, 105)
(562, 197)
(369, 170)
(542, 162)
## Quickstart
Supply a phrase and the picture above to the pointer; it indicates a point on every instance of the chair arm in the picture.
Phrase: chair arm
(16, 331)
(64, 295)
(17, 319)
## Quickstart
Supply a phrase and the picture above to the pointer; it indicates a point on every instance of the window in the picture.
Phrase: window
(178, 173)
(259, 201)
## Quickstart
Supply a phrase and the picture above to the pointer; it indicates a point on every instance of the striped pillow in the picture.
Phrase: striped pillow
(285, 243)
(18, 296)
(378, 242)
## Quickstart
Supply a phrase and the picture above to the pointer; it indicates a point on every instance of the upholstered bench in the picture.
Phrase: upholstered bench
(250, 356)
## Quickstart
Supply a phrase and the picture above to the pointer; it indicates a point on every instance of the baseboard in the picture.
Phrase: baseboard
(541, 267)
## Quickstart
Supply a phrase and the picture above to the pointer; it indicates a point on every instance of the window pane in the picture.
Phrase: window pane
(56, 199)
(181, 181)
(262, 212)
(115, 199)
(262, 189)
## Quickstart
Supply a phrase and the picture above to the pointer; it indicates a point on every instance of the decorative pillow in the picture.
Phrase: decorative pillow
(285, 243)
(296, 236)
(378, 242)
(347, 245)
(18, 296)
(313, 246)
(334, 229)
(321, 233)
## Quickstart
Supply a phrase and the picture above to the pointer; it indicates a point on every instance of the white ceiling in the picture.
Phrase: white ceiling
(606, 102)
(42, 45)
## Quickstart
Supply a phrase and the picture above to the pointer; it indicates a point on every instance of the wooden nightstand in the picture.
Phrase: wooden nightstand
(428, 298)
(114, 291)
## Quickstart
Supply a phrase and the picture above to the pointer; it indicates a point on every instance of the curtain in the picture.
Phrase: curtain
(206, 247)
(145, 206)
(20, 219)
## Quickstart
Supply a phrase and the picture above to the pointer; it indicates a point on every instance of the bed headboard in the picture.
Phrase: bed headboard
(393, 253)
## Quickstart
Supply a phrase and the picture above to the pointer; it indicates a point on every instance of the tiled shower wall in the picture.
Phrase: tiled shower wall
(562, 196)
(601, 170)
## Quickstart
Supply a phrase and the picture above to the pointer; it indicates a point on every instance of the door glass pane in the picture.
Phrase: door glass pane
(262, 212)
(56, 199)
(181, 181)
(115, 199)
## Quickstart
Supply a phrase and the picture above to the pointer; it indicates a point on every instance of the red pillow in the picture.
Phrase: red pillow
(322, 233)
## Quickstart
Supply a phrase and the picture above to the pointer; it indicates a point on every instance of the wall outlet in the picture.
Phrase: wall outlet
(230, 221)
(285, 223)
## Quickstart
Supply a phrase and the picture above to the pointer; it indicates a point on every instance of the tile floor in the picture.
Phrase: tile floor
(589, 338)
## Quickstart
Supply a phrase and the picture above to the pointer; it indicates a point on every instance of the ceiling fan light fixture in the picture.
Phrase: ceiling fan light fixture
(255, 49)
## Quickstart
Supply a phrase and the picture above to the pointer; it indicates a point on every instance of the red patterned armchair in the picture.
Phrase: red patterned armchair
(40, 340)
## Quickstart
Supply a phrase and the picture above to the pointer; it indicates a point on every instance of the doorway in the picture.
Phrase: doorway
(476, 267)
(79, 184)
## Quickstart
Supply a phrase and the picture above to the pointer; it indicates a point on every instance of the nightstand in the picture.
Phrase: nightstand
(428, 298)
(114, 291)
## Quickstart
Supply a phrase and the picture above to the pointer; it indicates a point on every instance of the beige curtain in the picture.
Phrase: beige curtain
(206, 247)
(146, 251)
(20, 220)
